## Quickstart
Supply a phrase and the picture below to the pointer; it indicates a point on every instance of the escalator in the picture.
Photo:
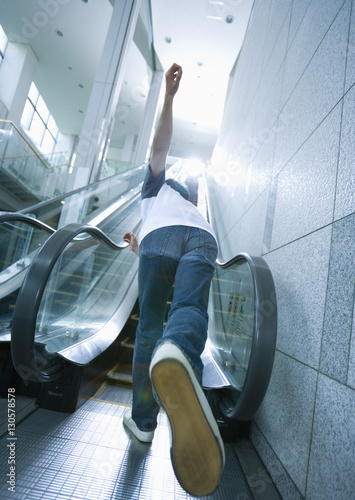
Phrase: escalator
(79, 293)
(22, 235)
(20, 238)
(86, 288)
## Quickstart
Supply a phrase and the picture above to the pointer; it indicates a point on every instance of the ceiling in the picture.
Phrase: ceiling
(68, 36)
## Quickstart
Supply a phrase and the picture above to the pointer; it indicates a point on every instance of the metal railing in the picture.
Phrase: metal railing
(20, 163)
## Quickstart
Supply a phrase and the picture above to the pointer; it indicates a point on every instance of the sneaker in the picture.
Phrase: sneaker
(197, 451)
(144, 436)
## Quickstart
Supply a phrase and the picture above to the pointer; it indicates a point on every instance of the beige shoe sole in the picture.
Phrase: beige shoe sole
(197, 453)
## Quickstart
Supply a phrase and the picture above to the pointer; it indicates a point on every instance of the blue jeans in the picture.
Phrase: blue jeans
(183, 256)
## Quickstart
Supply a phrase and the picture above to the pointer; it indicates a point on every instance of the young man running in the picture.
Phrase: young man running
(177, 247)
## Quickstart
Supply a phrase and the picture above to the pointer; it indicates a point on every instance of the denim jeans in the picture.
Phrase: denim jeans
(184, 257)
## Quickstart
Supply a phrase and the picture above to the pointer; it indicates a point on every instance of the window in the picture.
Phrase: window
(38, 122)
(3, 44)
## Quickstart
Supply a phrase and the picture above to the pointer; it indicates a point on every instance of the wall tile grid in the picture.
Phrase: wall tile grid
(332, 454)
(351, 373)
(345, 191)
(289, 406)
(350, 65)
(291, 199)
(238, 179)
(306, 185)
(338, 316)
(318, 90)
(300, 272)
(310, 23)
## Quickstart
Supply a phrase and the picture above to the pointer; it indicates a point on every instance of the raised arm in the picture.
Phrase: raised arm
(164, 131)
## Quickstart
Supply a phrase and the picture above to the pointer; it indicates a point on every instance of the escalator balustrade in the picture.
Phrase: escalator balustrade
(242, 337)
(21, 236)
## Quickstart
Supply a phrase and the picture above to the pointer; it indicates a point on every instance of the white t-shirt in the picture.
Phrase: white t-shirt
(162, 206)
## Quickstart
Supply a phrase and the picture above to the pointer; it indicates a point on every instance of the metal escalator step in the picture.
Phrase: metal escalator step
(120, 379)
(127, 343)
(120, 373)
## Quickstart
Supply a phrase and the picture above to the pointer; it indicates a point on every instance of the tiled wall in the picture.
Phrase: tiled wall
(282, 185)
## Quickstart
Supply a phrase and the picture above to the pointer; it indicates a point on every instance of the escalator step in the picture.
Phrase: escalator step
(122, 371)
(127, 343)
(121, 379)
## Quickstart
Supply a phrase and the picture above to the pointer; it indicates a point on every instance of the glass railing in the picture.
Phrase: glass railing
(20, 239)
(234, 319)
(242, 334)
(113, 167)
(88, 204)
(23, 233)
(21, 164)
(84, 295)
(36, 174)
(86, 286)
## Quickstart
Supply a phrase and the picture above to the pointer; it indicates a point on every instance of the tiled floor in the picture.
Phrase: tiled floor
(90, 455)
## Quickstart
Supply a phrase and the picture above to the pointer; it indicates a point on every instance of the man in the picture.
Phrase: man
(177, 247)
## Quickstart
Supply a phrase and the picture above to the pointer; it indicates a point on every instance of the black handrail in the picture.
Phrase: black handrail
(263, 341)
(45, 366)
(16, 216)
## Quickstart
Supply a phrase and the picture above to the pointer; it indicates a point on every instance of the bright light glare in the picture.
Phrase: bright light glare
(201, 100)
(6, 133)
(193, 167)
(3, 40)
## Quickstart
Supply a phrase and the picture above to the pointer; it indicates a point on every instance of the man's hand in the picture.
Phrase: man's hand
(172, 79)
(133, 243)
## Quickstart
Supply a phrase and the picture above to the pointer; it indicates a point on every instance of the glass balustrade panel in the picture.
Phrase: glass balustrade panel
(86, 286)
(19, 243)
(83, 205)
(233, 316)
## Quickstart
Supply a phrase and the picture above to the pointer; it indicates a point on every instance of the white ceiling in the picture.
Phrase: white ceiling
(200, 40)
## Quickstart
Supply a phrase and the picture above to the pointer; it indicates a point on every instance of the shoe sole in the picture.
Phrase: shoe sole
(196, 454)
